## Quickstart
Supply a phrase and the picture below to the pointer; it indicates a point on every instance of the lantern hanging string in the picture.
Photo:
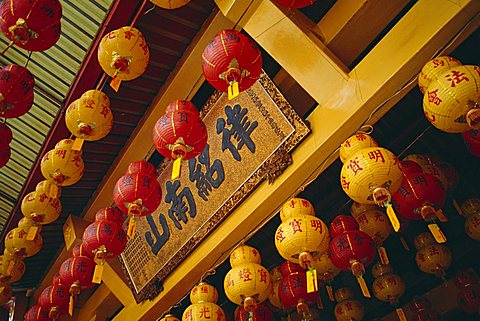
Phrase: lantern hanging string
(6, 48)
(28, 58)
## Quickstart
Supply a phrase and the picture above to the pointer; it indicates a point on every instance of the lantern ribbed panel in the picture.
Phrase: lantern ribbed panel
(180, 127)
(221, 56)
(16, 242)
(376, 224)
(472, 141)
(354, 144)
(126, 42)
(55, 296)
(244, 254)
(295, 3)
(430, 165)
(417, 190)
(388, 287)
(6, 294)
(110, 214)
(131, 188)
(274, 297)
(472, 226)
(41, 208)
(90, 117)
(368, 169)
(181, 105)
(204, 292)
(431, 257)
(37, 313)
(423, 240)
(198, 312)
(16, 272)
(470, 207)
(5, 133)
(343, 223)
(46, 186)
(296, 206)
(5, 153)
(450, 96)
(433, 69)
(293, 288)
(42, 17)
(62, 165)
(348, 310)
(247, 280)
(80, 250)
(141, 166)
(358, 208)
(302, 233)
(170, 4)
(326, 270)
(410, 167)
(106, 233)
(16, 87)
(77, 269)
(289, 267)
(261, 313)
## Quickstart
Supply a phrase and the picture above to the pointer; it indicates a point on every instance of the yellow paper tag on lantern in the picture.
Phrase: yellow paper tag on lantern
(132, 225)
(401, 314)
(437, 233)
(77, 144)
(382, 253)
(457, 207)
(32, 232)
(233, 90)
(404, 243)
(312, 285)
(177, 166)
(97, 274)
(319, 303)
(53, 192)
(115, 83)
(10, 267)
(363, 286)
(393, 218)
(441, 216)
(330, 293)
(70, 306)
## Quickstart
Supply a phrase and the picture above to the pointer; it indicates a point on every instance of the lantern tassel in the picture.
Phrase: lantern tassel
(330, 293)
(8, 47)
(132, 225)
(401, 314)
(70, 306)
(177, 166)
(405, 244)
(77, 144)
(457, 207)
(393, 218)
(319, 303)
(32, 233)
(233, 90)
(363, 286)
(382, 253)
(97, 274)
(312, 285)
(116, 81)
(437, 233)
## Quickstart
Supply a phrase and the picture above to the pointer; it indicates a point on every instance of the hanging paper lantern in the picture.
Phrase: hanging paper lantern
(247, 283)
(260, 313)
(294, 295)
(422, 310)
(80, 250)
(472, 141)
(170, 4)
(5, 153)
(16, 242)
(55, 299)
(11, 268)
(326, 271)
(28, 224)
(63, 165)
(358, 208)
(5, 293)
(5, 133)
(245, 254)
(468, 297)
(295, 3)
(470, 207)
(388, 287)
(104, 240)
(16, 90)
(123, 54)
(433, 69)
(431, 257)
(41, 208)
(410, 167)
(197, 311)
(430, 165)
(231, 62)
(351, 249)
(137, 194)
(110, 214)
(90, 117)
(354, 144)
(296, 206)
(472, 226)
(49, 188)
(31, 25)
(37, 313)
(347, 308)
(450, 101)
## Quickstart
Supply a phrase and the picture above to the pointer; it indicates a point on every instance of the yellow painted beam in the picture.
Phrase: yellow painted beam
(116, 284)
(344, 104)
(236, 10)
(101, 304)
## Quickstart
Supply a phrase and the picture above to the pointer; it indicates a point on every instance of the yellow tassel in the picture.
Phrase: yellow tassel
(132, 224)
(97, 274)
(330, 293)
(401, 314)
(115, 83)
(364, 287)
(70, 306)
(382, 253)
(32, 232)
(77, 144)
(177, 166)
(233, 90)
(437, 233)
(312, 285)
(393, 218)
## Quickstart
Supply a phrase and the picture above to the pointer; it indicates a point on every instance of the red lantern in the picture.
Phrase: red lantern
(472, 141)
(31, 25)
(79, 250)
(295, 3)
(260, 313)
(54, 298)
(5, 153)
(37, 313)
(288, 268)
(137, 194)
(16, 90)
(110, 214)
(141, 166)
(410, 167)
(350, 248)
(231, 62)
(5, 133)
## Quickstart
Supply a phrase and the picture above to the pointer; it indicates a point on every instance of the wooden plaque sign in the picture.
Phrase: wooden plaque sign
(249, 140)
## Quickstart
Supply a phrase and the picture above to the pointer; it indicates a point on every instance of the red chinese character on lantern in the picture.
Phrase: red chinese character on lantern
(204, 289)
(43, 197)
(456, 77)
(263, 275)
(219, 315)
(360, 137)
(188, 314)
(254, 252)
(21, 234)
(433, 251)
(89, 103)
(438, 63)
(128, 35)
(347, 143)
(245, 274)
(279, 235)
(205, 312)
(355, 166)
(421, 257)
(339, 310)
(376, 155)
(305, 203)
(77, 160)
(345, 183)
(296, 226)
(362, 219)
(433, 97)
(105, 111)
(230, 281)
(379, 217)
(317, 225)
(61, 153)
(349, 306)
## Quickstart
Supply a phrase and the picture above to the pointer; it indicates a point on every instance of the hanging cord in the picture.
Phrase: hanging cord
(6, 48)
(28, 58)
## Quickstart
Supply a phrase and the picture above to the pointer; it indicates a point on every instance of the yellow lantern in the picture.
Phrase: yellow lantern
(300, 238)
(41, 208)
(326, 272)
(347, 309)
(11, 268)
(170, 4)
(433, 68)
(354, 144)
(247, 284)
(296, 206)
(169, 317)
(49, 188)
(388, 287)
(123, 54)
(358, 208)
(29, 223)
(5, 293)
(90, 117)
(431, 257)
(63, 165)
(451, 100)
(472, 226)
(203, 307)
(16, 242)
(470, 207)
(245, 254)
